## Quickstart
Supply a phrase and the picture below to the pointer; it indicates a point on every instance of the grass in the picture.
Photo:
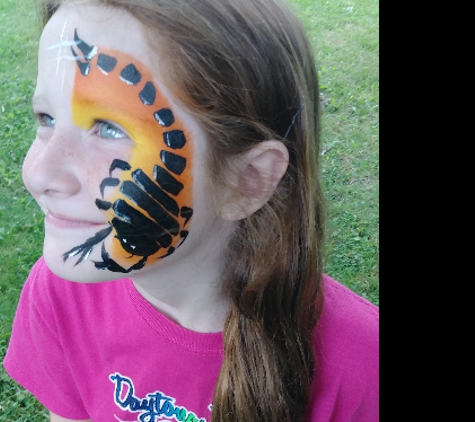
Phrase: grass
(345, 35)
(20, 225)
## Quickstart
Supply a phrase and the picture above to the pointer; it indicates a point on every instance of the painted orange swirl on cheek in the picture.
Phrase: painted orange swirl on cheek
(148, 198)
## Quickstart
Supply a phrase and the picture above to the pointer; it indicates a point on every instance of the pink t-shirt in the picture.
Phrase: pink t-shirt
(101, 351)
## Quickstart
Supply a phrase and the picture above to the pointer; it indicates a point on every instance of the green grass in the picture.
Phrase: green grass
(346, 39)
(345, 34)
(20, 223)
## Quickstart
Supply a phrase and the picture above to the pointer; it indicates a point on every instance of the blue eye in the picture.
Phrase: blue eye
(45, 120)
(109, 131)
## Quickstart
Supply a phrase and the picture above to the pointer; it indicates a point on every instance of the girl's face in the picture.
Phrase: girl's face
(117, 165)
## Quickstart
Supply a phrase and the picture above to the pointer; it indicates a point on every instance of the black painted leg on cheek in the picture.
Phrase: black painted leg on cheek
(86, 248)
(109, 264)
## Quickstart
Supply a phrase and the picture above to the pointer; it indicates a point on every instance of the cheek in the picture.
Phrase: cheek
(30, 173)
(146, 197)
(96, 170)
(148, 206)
(26, 167)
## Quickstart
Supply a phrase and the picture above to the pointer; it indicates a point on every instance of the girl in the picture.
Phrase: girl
(176, 158)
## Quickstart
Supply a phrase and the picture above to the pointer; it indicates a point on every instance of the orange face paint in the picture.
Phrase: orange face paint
(147, 199)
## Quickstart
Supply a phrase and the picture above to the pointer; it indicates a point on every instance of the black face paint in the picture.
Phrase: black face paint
(86, 248)
(146, 203)
(106, 63)
(164, 117)
(166, 181)
(175, 163)
(88, 52)
(130, 75)
(156, 209)
(174, 139)
(148, 94)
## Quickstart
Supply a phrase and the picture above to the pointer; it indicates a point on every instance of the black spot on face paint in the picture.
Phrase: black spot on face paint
(148, 94)
(130, 75)
(173, 162)
(174, 139)
(106, 63)
(164, 117)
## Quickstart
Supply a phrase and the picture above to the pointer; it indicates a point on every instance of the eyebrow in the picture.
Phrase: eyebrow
(39, 105)
(34, 101)
(37, 101)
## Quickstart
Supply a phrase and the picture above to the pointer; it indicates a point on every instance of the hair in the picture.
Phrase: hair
(245, 70)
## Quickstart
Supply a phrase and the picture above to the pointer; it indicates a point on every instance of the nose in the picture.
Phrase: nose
(51, 164)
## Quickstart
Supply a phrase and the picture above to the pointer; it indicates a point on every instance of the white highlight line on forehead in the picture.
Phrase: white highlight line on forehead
(64, 77)
(62, 44)
(61, 56)
(64, 57)
(71, 58)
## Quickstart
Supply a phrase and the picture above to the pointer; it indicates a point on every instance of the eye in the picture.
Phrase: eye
(45, 120)
(109, 131)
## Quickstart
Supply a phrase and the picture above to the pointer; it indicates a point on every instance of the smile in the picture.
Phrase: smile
(66, 222)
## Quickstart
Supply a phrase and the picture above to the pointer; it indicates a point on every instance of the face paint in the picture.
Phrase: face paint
(148, 198)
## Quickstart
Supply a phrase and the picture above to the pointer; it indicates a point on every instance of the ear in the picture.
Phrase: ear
(257, 174)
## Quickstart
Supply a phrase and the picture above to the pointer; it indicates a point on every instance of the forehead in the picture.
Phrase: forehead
(109, 27)
(106, 26)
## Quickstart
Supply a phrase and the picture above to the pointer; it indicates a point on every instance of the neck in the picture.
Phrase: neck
(193, 305)
(187, 288)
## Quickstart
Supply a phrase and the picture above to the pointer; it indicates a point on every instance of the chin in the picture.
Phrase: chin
(84, 272)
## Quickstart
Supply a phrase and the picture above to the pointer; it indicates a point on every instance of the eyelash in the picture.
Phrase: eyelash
(109, 127)
(46, 120)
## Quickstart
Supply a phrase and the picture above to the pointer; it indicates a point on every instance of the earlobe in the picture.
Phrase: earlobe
(259, 171)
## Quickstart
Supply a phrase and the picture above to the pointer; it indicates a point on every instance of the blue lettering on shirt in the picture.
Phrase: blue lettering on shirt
(152, 408)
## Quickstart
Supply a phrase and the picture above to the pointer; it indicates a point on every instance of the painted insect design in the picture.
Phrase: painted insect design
(147, 198)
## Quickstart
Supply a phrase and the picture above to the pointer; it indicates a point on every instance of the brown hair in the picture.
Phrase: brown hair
(245, 69)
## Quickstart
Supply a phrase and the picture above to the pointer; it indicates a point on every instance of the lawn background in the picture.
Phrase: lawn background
(345, 35)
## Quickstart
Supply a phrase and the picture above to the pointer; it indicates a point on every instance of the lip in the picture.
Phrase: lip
(65, 222)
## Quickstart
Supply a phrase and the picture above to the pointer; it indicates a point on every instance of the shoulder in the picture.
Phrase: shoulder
(65, 306)
(347, 351)
(345, 312)
(38, 292)
(348, 330)
(42, 282)
(56, 332)
(48, 302)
